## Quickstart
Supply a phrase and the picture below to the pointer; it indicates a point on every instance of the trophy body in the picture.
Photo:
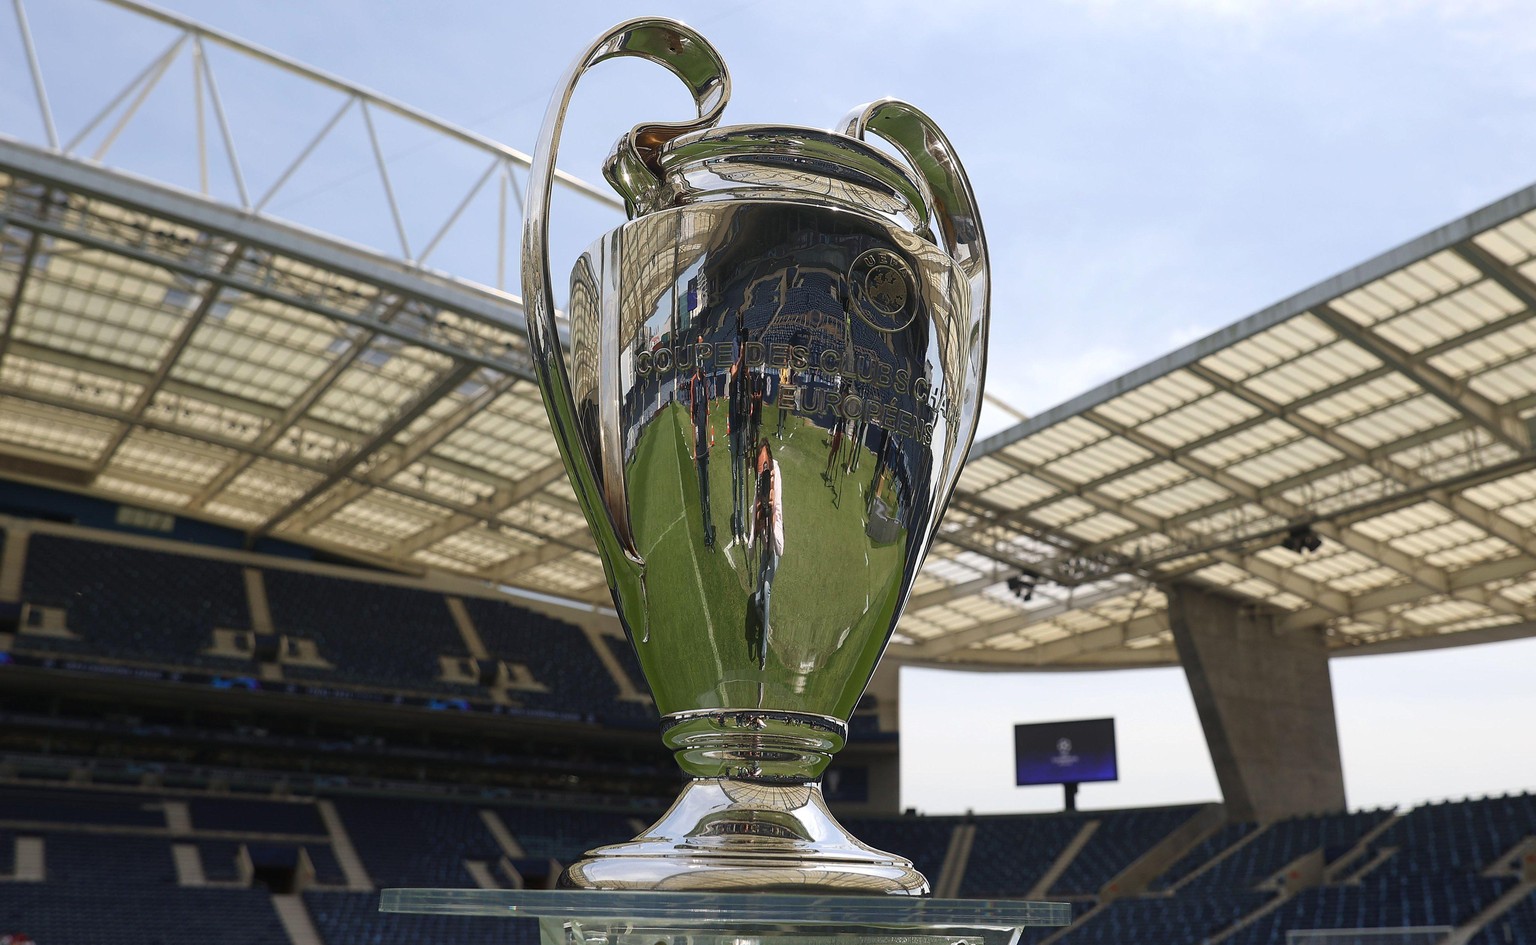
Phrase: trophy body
(775, 370)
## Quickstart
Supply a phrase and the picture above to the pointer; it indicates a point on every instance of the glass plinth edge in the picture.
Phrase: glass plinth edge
(715, 909)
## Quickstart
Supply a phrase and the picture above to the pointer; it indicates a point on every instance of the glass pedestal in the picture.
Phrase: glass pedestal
(662, 918)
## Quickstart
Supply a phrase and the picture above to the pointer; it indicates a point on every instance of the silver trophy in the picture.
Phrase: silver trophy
(774, 376)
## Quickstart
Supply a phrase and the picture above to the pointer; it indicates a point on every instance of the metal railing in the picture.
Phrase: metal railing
(185, 85)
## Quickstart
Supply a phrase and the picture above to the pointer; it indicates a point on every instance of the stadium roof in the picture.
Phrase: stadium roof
(176, 351)
(1388, 411)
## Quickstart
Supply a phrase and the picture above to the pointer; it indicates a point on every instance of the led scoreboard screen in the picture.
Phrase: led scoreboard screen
(1065, 752)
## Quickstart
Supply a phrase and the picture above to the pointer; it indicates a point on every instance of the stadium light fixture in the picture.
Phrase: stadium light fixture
(1302, 539)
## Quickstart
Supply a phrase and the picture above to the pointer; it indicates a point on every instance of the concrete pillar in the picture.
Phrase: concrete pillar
(13, 561)
(1266, 703)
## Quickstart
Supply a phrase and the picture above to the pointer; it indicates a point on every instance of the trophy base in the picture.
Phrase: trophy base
(571, 917)
(727, 834)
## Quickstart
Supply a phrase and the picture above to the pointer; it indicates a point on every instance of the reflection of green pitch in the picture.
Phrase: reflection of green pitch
(823, 586)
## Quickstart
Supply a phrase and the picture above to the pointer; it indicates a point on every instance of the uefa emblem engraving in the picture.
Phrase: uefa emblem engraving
(881, 284)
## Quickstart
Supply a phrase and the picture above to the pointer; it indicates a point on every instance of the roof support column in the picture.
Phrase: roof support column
(1266, 703)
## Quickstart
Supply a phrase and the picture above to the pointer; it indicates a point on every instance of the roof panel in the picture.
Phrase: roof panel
(1155, 398)
(1286, 462)
(1182, 499)
(983, 472)
(1307, 375)
(1099, 528)
(1145, 481)
(39, 428)
(1245, 443)
(1199, 419)
(1020, 491)
(141, 491)
(170, 459)
(1408, 521)
(1397, 421)
(1508, 383)
(1513, 242)
(1277, 345)
(1107, 456)
(1056, 441)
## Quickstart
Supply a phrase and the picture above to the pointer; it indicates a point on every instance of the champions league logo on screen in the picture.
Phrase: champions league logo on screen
(1065, 752)
(1064, 757)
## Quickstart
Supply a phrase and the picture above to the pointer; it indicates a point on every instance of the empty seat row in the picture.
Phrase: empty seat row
(151, 606)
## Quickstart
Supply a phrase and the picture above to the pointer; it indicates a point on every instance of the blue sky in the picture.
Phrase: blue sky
(1148, 171)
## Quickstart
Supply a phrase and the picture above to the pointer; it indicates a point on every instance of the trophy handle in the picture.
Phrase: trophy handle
(954, 214)
(693, 60)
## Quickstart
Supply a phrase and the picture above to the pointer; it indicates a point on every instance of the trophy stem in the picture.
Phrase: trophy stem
(759, 745)
(730, 834)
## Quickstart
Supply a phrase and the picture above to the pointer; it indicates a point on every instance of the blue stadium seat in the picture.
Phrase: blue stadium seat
(129, 603)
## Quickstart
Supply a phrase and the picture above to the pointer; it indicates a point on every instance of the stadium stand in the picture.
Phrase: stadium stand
(50, 805)
(348, 918)
(133, 603)
(1225, 837)
(122, 603)
(1188, 920)
(1272, 850)
(1515, 927)
(1120, 838)
(924, 840)
(346, 619)
(171, 916)
(624, 652)
(220, 859)
(1443, 864)
(1433, 875)
(105, 861)
(255, 816)
(1247, 883)
(403, 843)
(567, 837)
(998, 870)
(561, 658)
